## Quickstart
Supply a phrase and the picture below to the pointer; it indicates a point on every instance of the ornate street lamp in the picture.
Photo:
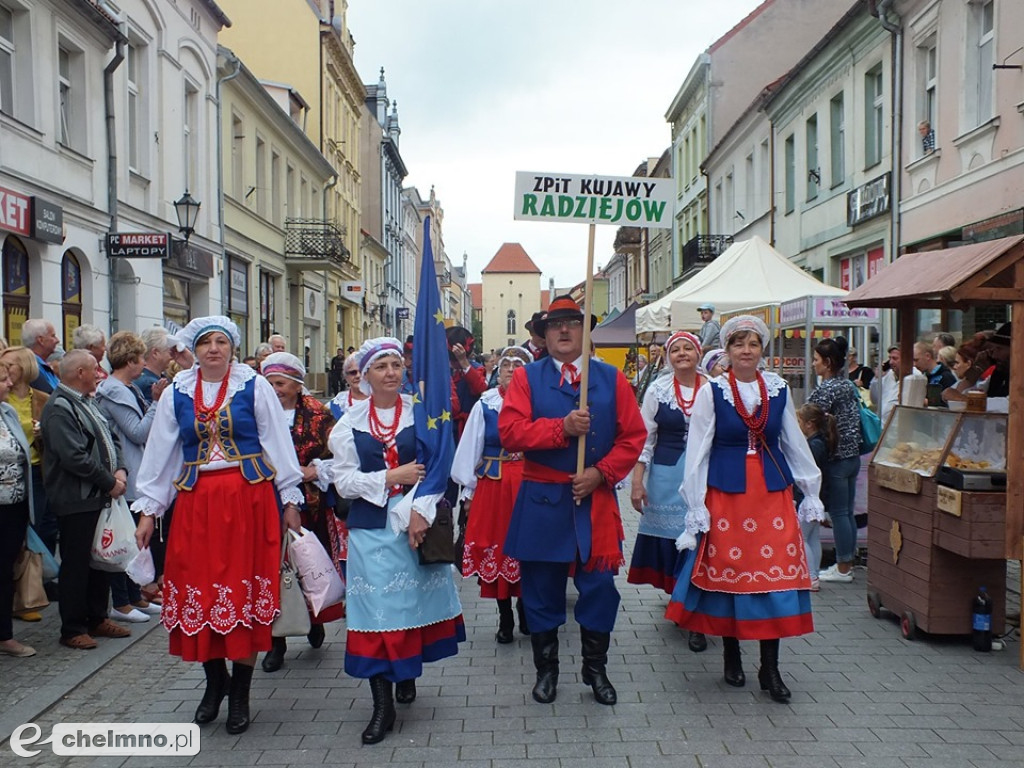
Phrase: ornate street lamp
(187, 211)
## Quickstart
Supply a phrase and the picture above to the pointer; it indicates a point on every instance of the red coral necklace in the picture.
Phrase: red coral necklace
(686, 406)
(204, 413)
(756, 422)
(385, 433)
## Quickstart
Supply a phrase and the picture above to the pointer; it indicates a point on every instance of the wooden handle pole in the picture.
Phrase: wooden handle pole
(581, 456)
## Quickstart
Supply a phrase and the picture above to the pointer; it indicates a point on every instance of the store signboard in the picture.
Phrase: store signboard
(868, 200)
(352, 290)
(138, 245)
(15, 212)
(823, 311)
(47, 221)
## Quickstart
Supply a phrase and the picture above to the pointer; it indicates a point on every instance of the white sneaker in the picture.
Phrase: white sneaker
(134, 616)
(151, 609)
(834, 574)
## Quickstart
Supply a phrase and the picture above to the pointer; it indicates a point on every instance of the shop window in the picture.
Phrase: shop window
(71, 298)
(177, 300)
(268, 296)
(238, 299)
(16, 288)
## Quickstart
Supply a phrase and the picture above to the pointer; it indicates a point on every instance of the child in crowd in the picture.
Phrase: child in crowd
(820, 430)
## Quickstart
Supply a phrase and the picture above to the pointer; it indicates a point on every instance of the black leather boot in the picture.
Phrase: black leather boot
(595, 660)
(697, 642)
(545, 659)
(217, 682)
(769, 676)
(506, 621)
(524, 628)
(238, 699)
(405, 691)
(733, 663)
(273, 660)
(383, 718)
(316, 635)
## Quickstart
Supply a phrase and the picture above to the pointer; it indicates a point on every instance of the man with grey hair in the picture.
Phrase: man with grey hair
(158, 355)
(83, 470)
(94, 341)
(39, 335)
(277, 343)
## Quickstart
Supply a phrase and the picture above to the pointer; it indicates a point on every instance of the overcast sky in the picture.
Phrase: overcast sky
(486, 88)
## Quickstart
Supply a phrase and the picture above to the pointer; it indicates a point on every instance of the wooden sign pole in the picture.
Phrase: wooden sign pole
(581, 456)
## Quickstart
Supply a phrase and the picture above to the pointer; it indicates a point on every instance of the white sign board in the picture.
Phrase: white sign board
(623, 201)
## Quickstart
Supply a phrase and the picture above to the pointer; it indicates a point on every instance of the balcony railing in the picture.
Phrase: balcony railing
(701, 250)
(315, 240)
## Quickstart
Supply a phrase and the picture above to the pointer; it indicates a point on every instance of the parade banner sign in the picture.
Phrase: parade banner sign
(623, 201)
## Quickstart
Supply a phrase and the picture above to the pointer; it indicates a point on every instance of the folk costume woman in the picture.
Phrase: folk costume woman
(666, 409)
(748, 579)
(218, 440)
(351, 394)
(309, 423)
(400, 614)
(490, 477)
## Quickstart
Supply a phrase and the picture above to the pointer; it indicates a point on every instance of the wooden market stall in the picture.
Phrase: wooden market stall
(953, 557)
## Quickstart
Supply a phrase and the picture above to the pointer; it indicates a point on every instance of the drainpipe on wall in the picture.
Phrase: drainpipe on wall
(108, 106)
(894, 28)
(225, 279)
(331, 183)
(771, 183)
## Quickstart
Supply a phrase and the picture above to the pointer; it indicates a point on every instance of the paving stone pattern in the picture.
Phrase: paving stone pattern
(862, 696)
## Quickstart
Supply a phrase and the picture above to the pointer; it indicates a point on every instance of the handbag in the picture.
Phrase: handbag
(438, 545)
(113, 544)
(29, 594)
(35, 544)
(870, 426)
(293, 620)
(318, 576)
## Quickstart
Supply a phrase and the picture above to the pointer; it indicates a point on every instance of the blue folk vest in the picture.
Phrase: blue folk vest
(365, 514)
(233, 428)
(493, 454)
(672, 429)
(729, 448)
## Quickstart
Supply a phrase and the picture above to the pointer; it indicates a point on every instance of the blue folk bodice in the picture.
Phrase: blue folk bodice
(363, 513)
(672, 430)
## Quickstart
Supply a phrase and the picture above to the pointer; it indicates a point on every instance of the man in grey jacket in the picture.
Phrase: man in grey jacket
(83, 471)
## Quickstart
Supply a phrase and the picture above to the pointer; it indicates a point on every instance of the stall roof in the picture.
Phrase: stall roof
(980, 272)
(619, 331)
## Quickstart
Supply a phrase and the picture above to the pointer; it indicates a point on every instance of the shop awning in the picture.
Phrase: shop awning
(976, 273)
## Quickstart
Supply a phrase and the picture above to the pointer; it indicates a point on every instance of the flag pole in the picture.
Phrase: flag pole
(581, 455)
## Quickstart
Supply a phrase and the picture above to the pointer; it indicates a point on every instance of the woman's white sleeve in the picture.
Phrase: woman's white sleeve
(349, 480)
(276, 441)
(806, 474)
(469, 451)
(162, 461)
(694, 486)
(649, 409)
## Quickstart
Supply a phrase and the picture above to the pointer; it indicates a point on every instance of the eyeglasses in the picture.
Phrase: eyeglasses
(563, 324)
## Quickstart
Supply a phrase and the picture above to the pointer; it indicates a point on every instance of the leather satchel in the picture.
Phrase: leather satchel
(438, 545)
(293, 620)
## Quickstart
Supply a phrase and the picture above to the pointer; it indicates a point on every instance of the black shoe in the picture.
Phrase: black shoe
(595, 660)
(316, 635)
(506, 621)
(238, 699)
(274, 658)
(768, 676)
(524, 628)
(545, 659)
(405, 691)
(383, 718)
(217, 683)
(733, 663)
(698, 642)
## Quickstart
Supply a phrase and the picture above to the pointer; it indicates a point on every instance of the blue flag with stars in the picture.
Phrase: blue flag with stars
(431, 373)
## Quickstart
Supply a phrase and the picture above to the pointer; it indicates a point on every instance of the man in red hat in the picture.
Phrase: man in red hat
(564, 521)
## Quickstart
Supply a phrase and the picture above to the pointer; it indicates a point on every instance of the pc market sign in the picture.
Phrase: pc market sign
(623, 201)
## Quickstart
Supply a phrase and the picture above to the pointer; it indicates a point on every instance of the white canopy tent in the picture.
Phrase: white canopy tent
(747, 274)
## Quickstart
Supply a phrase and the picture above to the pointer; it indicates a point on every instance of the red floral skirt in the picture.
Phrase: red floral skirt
(484, 552)
(221, 579)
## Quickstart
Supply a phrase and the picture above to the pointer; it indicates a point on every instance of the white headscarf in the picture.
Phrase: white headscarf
(284, 364)
(200, 326)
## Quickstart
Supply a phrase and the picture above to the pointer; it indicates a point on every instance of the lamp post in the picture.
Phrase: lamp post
(187, 210)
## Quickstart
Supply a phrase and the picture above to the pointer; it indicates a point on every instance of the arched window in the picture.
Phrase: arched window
(71, 307)
(16, 295)
(510, 323)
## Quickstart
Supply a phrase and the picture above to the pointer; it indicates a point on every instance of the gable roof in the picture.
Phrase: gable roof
(476, 295)
(511, 257)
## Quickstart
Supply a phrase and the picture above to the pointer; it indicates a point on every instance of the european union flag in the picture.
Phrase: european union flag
(431, 372)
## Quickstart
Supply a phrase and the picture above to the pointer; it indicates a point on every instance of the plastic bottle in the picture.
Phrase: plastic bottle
(981, 635)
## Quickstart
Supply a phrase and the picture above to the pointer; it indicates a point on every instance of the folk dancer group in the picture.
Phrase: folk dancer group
(713, 456)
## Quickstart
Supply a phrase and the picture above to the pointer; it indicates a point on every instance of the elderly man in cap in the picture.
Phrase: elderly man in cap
(563, 521)
(535, 344)
(709, 332)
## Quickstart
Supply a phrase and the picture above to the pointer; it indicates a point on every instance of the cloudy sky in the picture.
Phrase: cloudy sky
(488, 87)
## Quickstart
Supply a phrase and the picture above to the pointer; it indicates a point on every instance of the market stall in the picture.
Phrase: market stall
(935, 560)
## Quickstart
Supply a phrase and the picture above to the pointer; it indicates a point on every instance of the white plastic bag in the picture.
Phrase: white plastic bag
(321, 583)
(113, 544)
(141, 569)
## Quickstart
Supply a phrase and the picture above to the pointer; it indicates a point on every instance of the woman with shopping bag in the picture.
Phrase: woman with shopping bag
(309, 423)
(15, 508)
(219, 443)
